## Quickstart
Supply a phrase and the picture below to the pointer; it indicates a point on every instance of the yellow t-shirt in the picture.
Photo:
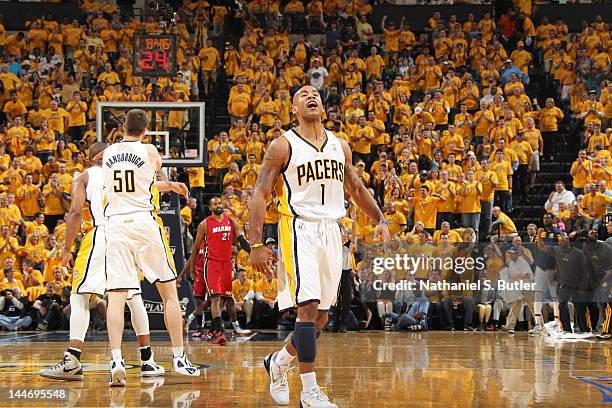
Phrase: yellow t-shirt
(470, 198)
(582, 176)
(269, 290)
(426, 210)
(503, 170)
(240, 290)
(76, 113)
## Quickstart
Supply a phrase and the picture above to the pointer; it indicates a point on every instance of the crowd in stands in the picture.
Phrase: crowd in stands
(446, 129)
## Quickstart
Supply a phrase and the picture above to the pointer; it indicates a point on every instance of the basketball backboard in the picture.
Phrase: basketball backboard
(176, 128)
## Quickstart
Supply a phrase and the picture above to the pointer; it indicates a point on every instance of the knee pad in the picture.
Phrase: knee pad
(316, 337)
(305, 341)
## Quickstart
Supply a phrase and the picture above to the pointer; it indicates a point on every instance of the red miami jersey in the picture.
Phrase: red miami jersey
(219, 239)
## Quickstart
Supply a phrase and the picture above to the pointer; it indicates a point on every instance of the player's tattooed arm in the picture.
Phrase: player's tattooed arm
(274, 160)
(276, 157)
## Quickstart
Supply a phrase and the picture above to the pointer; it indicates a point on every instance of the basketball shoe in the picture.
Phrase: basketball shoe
(117, 377)
(239, 330)
(183, 366)
(279, 387)
(216, 337)
(150, 368)
(315, 398)
(68, 369)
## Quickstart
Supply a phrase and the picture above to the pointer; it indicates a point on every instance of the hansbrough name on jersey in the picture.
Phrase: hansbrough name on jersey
(313, 180)
(129, 179)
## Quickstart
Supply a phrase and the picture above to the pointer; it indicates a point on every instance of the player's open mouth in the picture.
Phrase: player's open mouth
(312, 104)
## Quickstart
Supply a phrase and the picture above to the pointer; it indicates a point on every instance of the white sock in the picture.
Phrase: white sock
(116, 354)
(177, 352)
(283, 357)
(309, 381)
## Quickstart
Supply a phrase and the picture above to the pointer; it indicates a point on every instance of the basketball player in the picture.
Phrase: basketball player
(315, 169)
(136, 240)
(90, 274)
(216, 233)
(545, 273)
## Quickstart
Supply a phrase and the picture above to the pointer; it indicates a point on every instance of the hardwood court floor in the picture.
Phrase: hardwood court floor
(435, 369)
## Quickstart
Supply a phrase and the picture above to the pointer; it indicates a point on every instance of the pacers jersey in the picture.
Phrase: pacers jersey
(313, 180)
(93, 212)
(128, 179)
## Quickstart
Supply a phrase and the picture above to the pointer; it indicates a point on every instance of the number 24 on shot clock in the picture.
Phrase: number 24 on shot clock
(154, 55)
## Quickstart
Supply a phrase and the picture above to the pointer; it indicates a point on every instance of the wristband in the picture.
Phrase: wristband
(256, 245)
(384, 222)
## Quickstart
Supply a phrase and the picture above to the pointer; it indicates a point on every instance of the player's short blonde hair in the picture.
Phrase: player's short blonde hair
(136, 122)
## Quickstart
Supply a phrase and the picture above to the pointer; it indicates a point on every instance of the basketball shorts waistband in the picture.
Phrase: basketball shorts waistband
(132, 217)
(313, 219)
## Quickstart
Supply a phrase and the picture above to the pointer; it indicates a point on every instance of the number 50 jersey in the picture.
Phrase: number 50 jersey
(129, 178)
(313, 180)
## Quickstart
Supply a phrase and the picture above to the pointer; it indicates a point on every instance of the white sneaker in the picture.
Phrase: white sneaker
(68, 369)
(117, 377)
(239, 330)
(279, 387)
(188, 321)
(150, 368)
(536, 330)
(315, 398)
(182, 365)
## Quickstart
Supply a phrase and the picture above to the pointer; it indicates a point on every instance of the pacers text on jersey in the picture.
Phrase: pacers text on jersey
(125, 157)
(320, 169)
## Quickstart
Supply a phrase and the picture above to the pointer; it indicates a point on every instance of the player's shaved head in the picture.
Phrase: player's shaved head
(136, 122)
(96, 148)
(305, 88)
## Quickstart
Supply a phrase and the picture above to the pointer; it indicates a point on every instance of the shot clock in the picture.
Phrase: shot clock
(154, 55)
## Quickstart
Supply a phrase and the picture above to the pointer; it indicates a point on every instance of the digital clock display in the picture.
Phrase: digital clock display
(154, 55)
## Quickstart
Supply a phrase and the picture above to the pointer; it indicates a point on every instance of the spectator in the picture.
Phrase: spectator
(471, 193)
(581, 171)
(266, 290)
(518, 271)
(244, 293)
(415, 319)
(49, 309)
(594, 204)
(572, 266)
(14, 310)
(550, 116)
(503, 189)
(10, 281)
(502, 227)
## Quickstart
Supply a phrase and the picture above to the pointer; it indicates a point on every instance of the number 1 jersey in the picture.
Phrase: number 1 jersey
(129, 179)
(313, 180)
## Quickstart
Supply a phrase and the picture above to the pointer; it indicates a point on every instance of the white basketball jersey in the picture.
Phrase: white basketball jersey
(95, 195)
(128, 179)
(313, 180)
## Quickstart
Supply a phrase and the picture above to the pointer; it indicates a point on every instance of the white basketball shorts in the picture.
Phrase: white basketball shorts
(89, 272)
(310, 262)
(137, 242)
